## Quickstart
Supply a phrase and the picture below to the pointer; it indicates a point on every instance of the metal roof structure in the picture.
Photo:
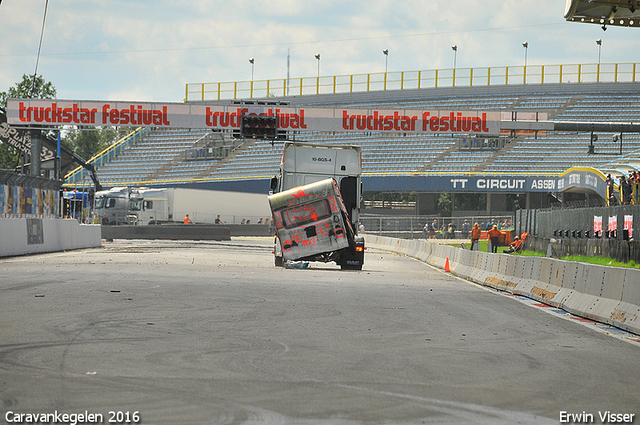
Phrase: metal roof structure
(625, 13)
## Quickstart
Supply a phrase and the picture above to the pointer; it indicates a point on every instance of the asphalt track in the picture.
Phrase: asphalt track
(213, 333)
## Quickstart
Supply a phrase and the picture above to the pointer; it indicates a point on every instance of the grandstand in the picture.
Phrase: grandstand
(166, 156)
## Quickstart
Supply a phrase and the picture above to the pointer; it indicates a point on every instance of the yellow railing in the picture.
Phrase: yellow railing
(489, 76)
(79, 173)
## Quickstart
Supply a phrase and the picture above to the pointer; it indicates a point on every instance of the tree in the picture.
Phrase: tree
(471, 202)
(9, 156)
(86, 142)
(26, 89)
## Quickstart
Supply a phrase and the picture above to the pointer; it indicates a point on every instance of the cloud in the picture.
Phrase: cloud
(104, 50)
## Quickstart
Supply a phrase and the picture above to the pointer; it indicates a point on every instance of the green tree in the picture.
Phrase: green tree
(84, 142)
(516, 202)
(449, 202)
(29, 87)
(26, 89)
(471, 202)
(88, 141)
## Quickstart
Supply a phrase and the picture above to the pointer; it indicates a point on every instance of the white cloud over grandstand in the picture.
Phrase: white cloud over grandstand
(142, 50)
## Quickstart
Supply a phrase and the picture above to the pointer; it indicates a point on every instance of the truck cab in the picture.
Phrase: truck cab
(113, 204)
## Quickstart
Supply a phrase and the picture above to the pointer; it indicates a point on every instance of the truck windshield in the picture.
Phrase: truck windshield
(100, 203)
(297, 215)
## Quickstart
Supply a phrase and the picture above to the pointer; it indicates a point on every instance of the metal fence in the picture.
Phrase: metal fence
(578, 223)
(411, 227)
(433, 78)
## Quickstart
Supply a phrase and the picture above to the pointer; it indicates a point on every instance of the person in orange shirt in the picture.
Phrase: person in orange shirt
(515, 246)
(187, 220)
(475, 235)
(494, 234)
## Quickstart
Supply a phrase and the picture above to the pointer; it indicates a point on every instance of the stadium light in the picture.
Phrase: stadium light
(318, 57)
(258, 127)
(615, 138)
(386, 59)
(455, 54)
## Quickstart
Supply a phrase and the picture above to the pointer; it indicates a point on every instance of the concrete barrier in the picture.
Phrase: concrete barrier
(628, 311)
(519, 270)
(20, 236)
(464, 262)
(608, 299)
(478, 267)
(531, 277)
(485, 270)
(168, 231)
(605, 294)
(572, 272)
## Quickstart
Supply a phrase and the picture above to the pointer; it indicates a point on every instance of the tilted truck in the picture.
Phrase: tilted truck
(315, 204)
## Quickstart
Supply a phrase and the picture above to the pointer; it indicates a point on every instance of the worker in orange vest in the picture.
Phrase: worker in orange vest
(494, 234)
(187, 220)
(475, 235)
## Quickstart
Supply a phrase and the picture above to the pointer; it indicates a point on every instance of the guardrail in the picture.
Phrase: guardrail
(433, 78)
(605, 294)
(411, 226)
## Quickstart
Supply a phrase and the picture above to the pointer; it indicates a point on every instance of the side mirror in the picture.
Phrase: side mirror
(274, 184)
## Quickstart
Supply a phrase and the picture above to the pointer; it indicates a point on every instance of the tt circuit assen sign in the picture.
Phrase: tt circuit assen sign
(188, 115)
(576, 179)
(485, 183)
(463, 183)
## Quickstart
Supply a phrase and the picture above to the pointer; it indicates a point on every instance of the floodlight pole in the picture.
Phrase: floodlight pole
(252, 62)
(524, 72)
(386, 59)
(455, 57)
(318, 80)
(599, 43)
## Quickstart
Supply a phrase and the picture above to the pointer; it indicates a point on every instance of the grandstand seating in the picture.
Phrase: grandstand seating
(160, 156)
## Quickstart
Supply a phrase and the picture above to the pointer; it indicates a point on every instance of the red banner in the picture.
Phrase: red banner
(197, 115)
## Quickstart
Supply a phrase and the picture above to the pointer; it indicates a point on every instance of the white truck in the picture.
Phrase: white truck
(315, 204)
(145, 205)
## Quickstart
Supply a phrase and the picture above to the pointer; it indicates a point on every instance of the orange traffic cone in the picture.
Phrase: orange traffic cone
(446, 266)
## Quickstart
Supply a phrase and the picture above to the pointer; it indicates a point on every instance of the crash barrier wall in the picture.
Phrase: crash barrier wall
(168, 231)
(604, 294)
(19, 236)
(543, 223)
(249, 229)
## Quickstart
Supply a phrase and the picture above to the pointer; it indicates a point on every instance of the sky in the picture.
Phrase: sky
(143, 50)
